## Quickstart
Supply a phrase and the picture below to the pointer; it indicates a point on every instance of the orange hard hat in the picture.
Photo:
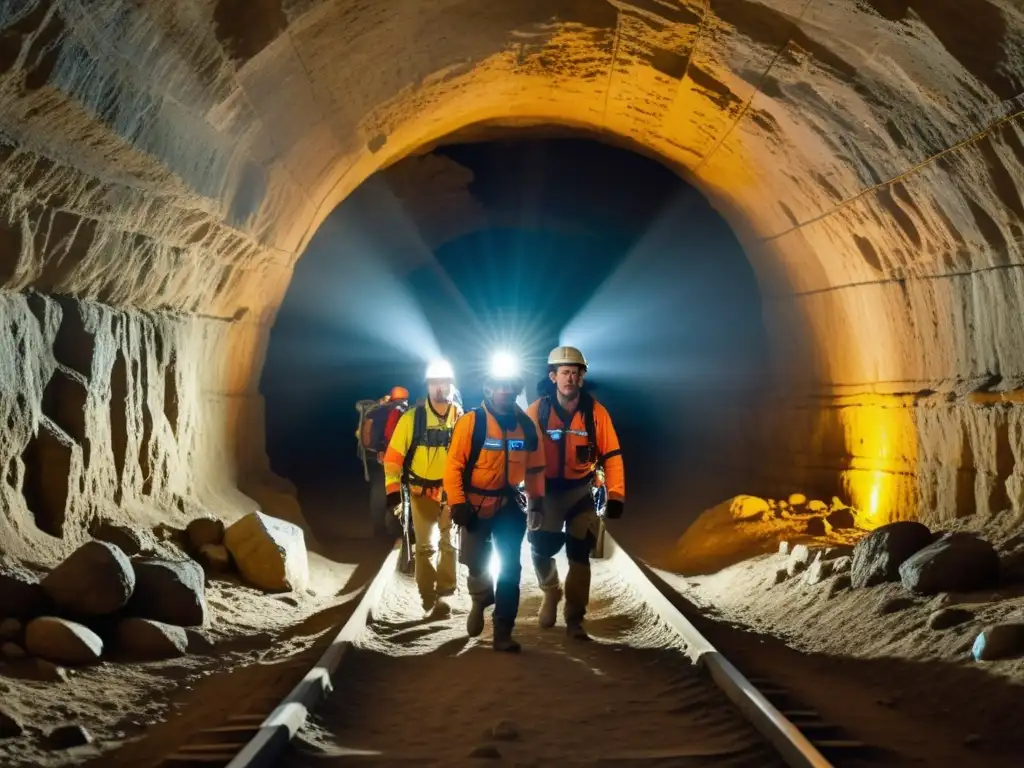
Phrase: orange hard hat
(399, 393)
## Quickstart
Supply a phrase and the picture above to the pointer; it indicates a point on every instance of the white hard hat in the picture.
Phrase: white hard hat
(567, 356)
(439, 369)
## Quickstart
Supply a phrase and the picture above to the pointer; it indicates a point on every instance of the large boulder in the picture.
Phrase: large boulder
(999, 641)
(97, 578)
(145, 639)
(205, 531)
(171, 591)
(21, 594)
(215, 558)
(878, 556)
(62, 641)
(270, 553)
(957, 562)
(126, 539)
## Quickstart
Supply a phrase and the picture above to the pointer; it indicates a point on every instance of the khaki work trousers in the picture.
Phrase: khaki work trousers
(569, 519)
(432, 524)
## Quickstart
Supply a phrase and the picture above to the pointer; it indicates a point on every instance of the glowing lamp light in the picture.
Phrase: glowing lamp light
(494, 566)
(440, 369)
(504, 365)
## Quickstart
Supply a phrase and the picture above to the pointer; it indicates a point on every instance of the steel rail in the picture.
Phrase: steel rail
(278, 729)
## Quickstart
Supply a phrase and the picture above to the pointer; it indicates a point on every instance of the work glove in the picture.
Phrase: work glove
(462, 514)
(613, 509)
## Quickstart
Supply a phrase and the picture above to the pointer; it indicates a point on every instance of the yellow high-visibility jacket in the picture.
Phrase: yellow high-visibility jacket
(426, 472)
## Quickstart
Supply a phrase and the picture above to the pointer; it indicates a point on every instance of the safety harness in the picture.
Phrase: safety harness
(556, 484)
(427, 438)
(529, 444)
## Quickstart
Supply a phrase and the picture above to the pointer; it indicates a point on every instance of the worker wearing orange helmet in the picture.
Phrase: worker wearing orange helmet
(581, 452)
(415, 461)
(377, 422)
(495, 473)
(397, 395)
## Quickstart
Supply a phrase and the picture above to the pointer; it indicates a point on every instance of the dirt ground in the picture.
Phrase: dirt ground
(887, 677)
(426, 694)
(138, 712)
(628, 698)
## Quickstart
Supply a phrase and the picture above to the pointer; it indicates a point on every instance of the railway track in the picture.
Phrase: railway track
(649, 691)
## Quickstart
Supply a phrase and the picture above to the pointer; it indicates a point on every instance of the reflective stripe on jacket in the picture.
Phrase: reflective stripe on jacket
(505, 462)
(567, 450)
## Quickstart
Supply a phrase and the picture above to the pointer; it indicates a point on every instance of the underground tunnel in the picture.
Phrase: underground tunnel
(193, 194)
(535, 241)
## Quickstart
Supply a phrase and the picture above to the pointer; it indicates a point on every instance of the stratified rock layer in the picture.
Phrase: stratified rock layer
(164, 164)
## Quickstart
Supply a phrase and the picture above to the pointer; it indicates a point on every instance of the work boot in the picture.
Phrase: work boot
(442, 609)
(475, 619)
(481, 592)
(549, 608)
(574, 622)
(503, 637)
(577, 596)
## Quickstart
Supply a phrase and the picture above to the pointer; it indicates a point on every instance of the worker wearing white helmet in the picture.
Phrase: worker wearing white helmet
(581, 452)
(415, 461)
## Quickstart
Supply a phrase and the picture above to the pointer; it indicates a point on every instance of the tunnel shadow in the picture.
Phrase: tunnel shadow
(213, 694)
(202, 704)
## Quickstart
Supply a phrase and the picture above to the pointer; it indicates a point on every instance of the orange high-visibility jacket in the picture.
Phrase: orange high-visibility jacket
(567, 449)
(505, 461)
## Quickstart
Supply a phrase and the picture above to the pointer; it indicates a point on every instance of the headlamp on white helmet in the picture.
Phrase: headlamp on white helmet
(438, 370)
(504, 366)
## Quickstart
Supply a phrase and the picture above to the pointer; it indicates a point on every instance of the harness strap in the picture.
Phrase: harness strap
(530, 438)
(586, 407)
(423, 437)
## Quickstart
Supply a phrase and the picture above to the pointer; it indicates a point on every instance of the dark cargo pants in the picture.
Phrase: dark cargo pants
(502, 534)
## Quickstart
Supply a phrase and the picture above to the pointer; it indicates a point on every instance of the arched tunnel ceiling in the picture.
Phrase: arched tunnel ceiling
(808, 122)
(426, 200)
(176, 157)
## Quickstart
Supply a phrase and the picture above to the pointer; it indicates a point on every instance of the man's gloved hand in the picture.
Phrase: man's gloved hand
(394, 499)
(613, 509)
(462, 514)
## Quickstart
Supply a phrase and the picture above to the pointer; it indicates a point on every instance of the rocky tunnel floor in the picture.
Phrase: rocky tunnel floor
(418, 691)
(252, 646)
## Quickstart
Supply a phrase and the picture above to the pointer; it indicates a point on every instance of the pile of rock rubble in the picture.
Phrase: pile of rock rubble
(112, 598)
(924, 562)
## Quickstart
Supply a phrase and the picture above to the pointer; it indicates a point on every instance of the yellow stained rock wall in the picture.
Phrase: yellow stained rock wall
(165, 163)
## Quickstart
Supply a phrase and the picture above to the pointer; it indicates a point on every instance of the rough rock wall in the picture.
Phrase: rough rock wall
(165, 162)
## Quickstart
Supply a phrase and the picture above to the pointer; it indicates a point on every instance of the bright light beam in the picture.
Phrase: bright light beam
(632, 329)
(372, 236)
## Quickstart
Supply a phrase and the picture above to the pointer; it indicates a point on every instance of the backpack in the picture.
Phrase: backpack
(428, 438)
(530, 443)
(374, 435)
